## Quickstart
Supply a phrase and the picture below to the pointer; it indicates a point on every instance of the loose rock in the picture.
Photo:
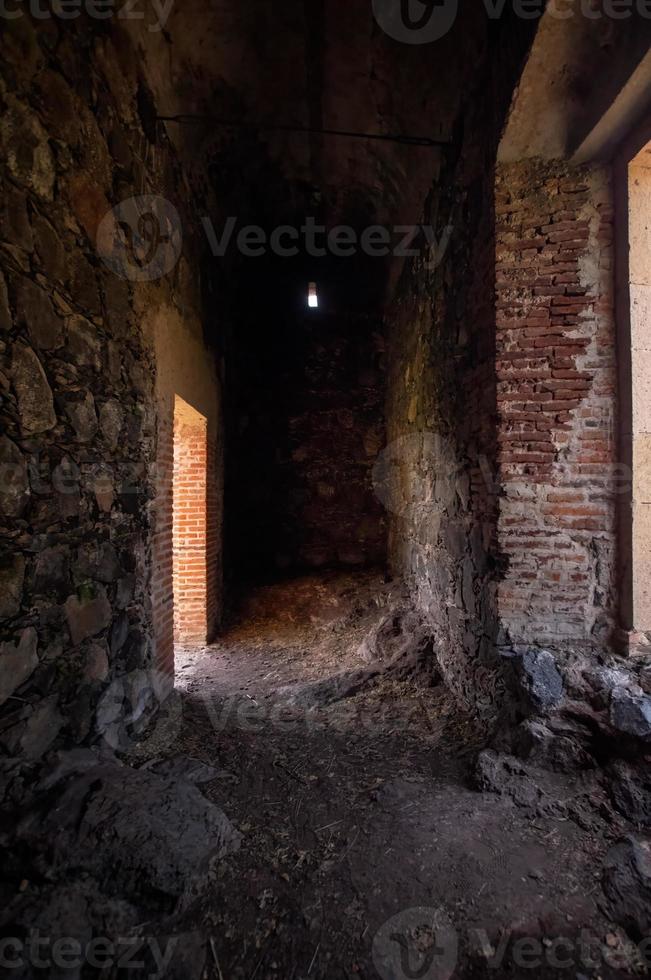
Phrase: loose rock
(538, 679)
(627, 884)
(631, 713)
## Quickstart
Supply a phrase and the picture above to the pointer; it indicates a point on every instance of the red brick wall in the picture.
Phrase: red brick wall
(186, 580)
(190, 530)
(556, 403)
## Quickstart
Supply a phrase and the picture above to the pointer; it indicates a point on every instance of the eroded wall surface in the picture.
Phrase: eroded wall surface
(80, 412)
(442, 398)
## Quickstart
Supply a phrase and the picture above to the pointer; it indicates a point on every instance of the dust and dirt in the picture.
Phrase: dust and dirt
(358, 808)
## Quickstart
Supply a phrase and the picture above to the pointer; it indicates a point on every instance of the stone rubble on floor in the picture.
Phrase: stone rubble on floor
(101, 847)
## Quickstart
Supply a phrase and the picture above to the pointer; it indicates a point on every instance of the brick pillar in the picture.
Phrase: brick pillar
(190, 528)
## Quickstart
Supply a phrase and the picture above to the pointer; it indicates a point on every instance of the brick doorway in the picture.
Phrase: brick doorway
(190, 524)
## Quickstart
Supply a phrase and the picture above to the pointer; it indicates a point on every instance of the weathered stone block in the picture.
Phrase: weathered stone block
(627, 884)
(538, 679)
(96, 667)
(26, 148)
(65, 480)
(17, 663)
(630, 791)
(83, 285)
(98, 561)
(630, 712)
(89, 204)
(87, 616)
(52, 571)
(50, 249)
(35, 402)
(6, 321)
(83, 418)
(32, 738)
(119, 633)
(113, 361)
(14, 482)
(35, 311)
(102, 484)
(14, 220)
(84, 347)
(104, 819)
(12, 575)
(111, 420)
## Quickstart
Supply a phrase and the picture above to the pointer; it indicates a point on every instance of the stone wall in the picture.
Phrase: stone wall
(441, 453)
(79, 410)
(441, 460)
(556, 399)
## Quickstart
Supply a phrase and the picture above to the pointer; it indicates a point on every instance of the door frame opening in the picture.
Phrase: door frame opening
(633, 279)
(190, 524)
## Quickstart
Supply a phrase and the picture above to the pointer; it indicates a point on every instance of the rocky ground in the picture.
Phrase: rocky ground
(303, 807)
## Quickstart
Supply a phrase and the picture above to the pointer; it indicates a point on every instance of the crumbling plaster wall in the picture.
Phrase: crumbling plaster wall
(515, 542)
(557, 405)
(563, 353)
(441, 466)
(81, 401)
(558, 110)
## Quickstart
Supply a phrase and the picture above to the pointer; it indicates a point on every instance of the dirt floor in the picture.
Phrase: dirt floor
(366, 851)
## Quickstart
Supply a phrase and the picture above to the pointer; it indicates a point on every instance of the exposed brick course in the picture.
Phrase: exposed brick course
(556, 402)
